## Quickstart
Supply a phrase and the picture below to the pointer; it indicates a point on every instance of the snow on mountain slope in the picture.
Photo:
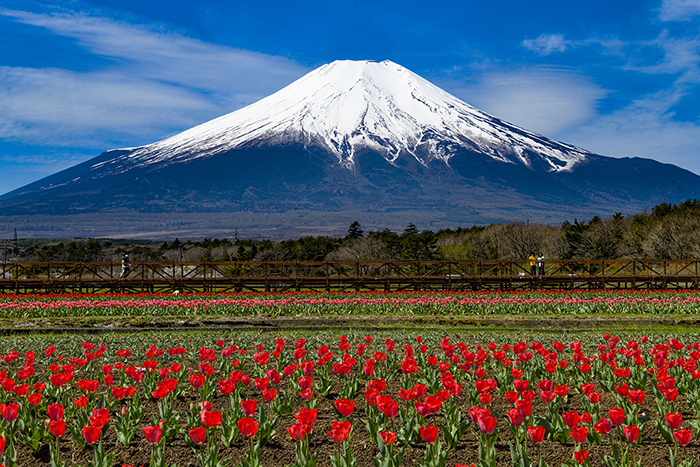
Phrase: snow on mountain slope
(347, 105)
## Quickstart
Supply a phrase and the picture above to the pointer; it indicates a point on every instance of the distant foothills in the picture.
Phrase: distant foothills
(668, 231)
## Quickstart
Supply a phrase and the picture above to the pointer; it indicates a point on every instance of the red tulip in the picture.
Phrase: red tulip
(161, 392)
(388, 438)
(305, 382)
(521, 385)
(57, 428)
(88, 385)
(603, 426)
(249, 406)
(670, 394)
(297, 431)
(524, 407)
(536, 433)
(682, 437)
(631, 433)
(674, 420)
(617, 416)
(152, 433)
(262, 383)
(210, 418)
(198, 434)
(511, 397)
(248, 427)
(429, 433)
(581, 455)
(307, 417)
(623, 391)
(2, 444)
(545, 385)
(80, 402)
(485, 399)
(55, 411)
(34, 398)
(486, 421)
(9, 411)
(561, 390)
(579, 434)
(91, 433)
(340, 431)
(99, 417)
(344, 407)
(515, 417)
(488, 385)
(197, 380)
(226, 386)
(306, 394)
(387, 405)
(571, 419)
(269, 394)
(421, 408)
(636, 396)
(8, 384)
(432, 403)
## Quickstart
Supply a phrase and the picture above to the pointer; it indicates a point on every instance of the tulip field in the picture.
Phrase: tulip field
(482, 303)
(339, 398)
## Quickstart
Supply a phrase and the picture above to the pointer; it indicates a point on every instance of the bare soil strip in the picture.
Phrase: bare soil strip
(92, 325)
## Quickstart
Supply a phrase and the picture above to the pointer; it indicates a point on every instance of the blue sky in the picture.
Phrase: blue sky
(79, 77)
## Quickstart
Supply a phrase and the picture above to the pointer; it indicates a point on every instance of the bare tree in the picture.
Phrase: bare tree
(369, 248)
(677, 236)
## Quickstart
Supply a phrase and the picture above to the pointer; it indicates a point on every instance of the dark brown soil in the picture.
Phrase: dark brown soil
(100, 325)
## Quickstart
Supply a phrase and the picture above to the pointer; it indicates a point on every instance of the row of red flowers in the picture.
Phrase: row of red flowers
(433, 392)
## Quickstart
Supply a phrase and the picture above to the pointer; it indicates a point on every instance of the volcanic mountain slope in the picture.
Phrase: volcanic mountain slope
(359, 137)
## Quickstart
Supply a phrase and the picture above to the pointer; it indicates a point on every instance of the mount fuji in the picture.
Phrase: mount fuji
(351, 140)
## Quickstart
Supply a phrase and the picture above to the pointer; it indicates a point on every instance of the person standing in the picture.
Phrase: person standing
(126, 266)
(540, 264)
(533, 264)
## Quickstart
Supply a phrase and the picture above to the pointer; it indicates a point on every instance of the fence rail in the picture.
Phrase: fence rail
(271, 276)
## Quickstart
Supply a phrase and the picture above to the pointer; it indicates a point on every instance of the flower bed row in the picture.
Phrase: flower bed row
(375, 303)
(438, 396)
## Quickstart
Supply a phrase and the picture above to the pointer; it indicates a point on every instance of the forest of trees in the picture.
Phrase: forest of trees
(667, 232)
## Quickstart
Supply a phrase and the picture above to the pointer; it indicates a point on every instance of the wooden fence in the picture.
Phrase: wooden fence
(346, 276)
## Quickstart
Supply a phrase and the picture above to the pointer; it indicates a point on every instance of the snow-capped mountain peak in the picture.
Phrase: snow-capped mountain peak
(348, 105)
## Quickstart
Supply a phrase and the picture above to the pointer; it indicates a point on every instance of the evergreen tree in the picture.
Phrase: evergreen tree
(354, 231)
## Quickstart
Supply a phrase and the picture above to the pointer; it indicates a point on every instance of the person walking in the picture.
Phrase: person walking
(540, 264)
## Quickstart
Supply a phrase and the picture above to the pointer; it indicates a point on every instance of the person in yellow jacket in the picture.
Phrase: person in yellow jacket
(533, 264)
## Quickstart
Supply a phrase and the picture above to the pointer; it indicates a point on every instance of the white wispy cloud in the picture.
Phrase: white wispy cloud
(549, 101)
(679, 10)
(645, 128)
(157, 82)
(547, 44)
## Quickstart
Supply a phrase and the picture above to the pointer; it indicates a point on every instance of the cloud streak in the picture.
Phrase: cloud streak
(547, 44)
(547, 100)
(157, 82)
(679, 10)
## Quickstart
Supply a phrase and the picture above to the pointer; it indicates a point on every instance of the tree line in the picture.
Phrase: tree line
(668, 231)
